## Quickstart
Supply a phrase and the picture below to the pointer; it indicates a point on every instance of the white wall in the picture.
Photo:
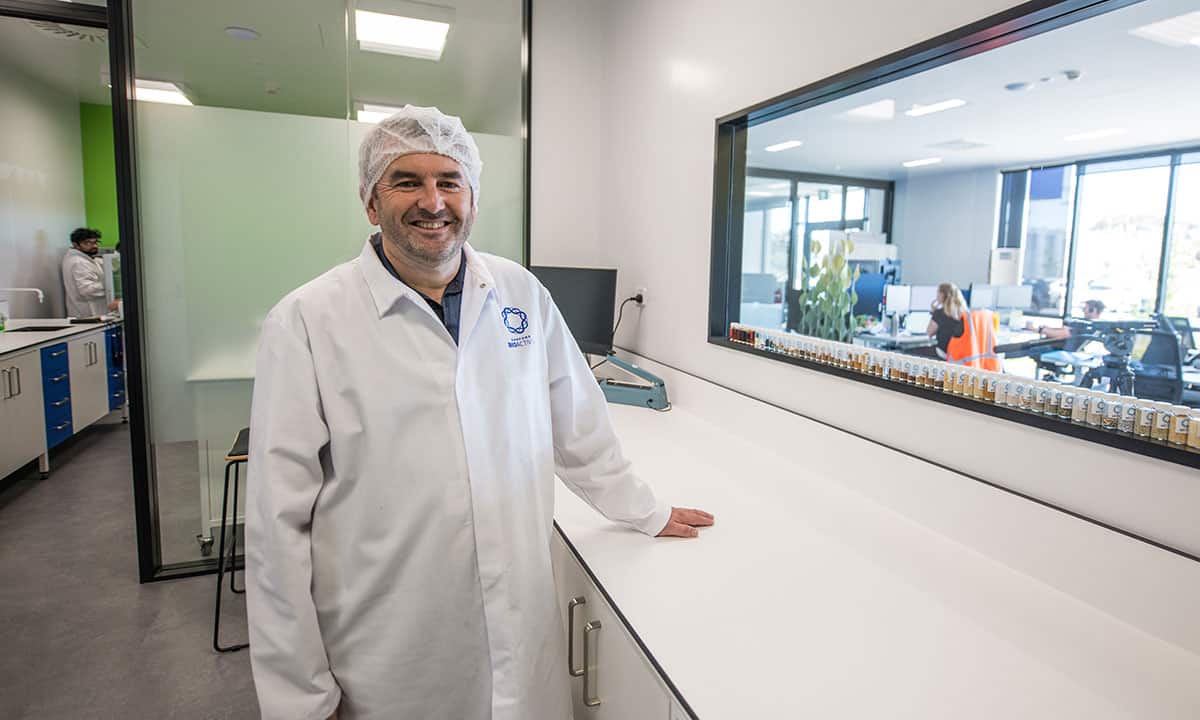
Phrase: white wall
(944, 226)
(41, 189)
(625, 95)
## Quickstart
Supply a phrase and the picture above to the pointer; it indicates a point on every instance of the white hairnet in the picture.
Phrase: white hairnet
(417, 130)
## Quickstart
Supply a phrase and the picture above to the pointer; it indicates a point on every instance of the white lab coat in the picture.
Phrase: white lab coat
(400, 497)
(83, 281)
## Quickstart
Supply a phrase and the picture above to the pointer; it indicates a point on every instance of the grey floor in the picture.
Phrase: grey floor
(81, 638)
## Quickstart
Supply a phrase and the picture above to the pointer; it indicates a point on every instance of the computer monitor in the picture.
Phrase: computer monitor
(983, 296)
(585, 297)
(922, 297)
(917, 321)
(1183, 327)
(896, 299)
(1016, 297)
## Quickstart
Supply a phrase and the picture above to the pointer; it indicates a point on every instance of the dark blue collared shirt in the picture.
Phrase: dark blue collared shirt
(450, 308)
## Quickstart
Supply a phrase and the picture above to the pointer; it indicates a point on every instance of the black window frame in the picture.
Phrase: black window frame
(729, 180)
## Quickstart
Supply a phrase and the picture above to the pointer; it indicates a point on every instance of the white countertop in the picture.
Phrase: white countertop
(12, 342)
(808, 599)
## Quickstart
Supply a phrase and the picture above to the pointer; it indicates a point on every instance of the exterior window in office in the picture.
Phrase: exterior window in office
(1036, 212)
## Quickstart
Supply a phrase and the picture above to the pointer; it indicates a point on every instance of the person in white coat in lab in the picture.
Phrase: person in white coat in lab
(83, 276)
(411, 410)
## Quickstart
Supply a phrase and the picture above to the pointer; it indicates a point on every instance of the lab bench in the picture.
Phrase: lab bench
(54, 383)
(843, 579)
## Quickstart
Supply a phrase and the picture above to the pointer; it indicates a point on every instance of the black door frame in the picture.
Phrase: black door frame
(117, 19)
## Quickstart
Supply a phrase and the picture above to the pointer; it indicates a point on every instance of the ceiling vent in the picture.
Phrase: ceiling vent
(96, 36)
(958, 145)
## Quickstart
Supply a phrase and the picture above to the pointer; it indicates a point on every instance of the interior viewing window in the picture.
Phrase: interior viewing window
(1008, 205)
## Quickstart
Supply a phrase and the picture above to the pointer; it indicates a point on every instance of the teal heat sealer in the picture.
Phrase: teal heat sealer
(647, 391)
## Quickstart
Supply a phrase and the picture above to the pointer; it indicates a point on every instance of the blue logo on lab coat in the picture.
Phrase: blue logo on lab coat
(515, 320)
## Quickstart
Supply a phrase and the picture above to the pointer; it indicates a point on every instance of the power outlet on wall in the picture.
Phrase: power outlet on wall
(641, 291)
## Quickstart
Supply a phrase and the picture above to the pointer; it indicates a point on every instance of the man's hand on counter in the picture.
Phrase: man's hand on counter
(684, 521)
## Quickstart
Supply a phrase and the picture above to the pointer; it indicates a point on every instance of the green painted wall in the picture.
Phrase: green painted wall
(99, 171)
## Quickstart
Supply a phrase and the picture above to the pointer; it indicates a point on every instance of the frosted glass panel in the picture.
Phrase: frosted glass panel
(251, 191)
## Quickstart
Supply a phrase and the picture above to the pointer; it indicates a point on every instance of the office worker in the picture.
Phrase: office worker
(83, 275)
(1092, 309)
(411, 409)
(948, 310)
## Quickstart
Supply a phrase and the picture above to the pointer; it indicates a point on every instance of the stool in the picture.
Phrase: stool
(238, 455)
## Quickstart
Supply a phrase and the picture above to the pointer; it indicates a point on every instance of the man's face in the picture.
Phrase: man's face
(91, 246)
(424, 206)
(1091, 312)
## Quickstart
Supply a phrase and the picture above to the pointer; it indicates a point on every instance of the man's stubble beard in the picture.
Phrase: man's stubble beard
(403, 239)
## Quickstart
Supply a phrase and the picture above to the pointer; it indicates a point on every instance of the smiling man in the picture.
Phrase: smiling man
(411, 410)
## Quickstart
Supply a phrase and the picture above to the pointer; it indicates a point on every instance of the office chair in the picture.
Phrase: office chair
(1158, 372)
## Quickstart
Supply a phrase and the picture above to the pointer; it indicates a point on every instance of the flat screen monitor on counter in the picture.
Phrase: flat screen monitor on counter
(585, 297)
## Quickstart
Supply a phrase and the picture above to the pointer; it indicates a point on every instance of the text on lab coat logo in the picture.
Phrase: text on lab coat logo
(516, 322)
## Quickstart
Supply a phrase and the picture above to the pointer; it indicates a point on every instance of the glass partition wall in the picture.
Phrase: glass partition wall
(248, 119)
(1034, 173)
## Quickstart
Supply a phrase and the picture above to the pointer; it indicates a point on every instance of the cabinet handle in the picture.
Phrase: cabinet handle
(62, 402)
(17, 371)
(4, 372)
(574, 603)
(588, 700)
(67, 424)
(59, 378)
(58, 353)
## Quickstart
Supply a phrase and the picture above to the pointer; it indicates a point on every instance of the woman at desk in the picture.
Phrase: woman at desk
(948, 309)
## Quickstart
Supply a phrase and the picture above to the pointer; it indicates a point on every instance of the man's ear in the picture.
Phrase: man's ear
(372, 213)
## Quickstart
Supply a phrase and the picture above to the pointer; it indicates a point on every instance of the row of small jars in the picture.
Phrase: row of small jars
(1147, 419)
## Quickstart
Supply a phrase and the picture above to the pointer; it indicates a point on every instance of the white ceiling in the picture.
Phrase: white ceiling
(1149, 89)
(300, 63)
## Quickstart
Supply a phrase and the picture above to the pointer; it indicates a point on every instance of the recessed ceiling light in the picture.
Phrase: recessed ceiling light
(1018, 86)
(882, 110)
(159, 92)
(1095, 134)
(922, 162)
(370, 113)
(787, 145)
(152, 90)
(919, 110)
(1173, 32)
(242, 33)
(420, 37)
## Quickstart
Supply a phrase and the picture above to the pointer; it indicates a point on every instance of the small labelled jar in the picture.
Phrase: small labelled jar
(992, 381)
(1164, 416)
(1179, 425)
(980, 389)
(1083, 405)
(1145, 418)
(1128, 416)
(1066, 404)
(939, 377)
(1114, 406)
(1193, 437)
(1003, 385)
(1054, 400)
(1040, 393)
(1016, 392)
(1031, 392)
(1097, 409)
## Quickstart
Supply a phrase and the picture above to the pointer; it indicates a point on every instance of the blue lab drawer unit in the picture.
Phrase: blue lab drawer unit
(115, 353)
(56, 393)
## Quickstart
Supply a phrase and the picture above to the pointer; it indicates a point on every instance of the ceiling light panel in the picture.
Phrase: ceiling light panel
(786, 145)
(919, 110)
(922, 162)
(402, 28)
(1177, 31)
(370, 113)
(882, 110)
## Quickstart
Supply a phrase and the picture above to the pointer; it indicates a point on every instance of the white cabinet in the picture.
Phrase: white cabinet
(24, 429)
(89, 379)
(621, 682)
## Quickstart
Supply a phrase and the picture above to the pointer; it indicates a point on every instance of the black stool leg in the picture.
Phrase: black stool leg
(221, 571)
(234, 534)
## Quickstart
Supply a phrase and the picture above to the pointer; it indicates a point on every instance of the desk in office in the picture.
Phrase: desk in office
(900, 341)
